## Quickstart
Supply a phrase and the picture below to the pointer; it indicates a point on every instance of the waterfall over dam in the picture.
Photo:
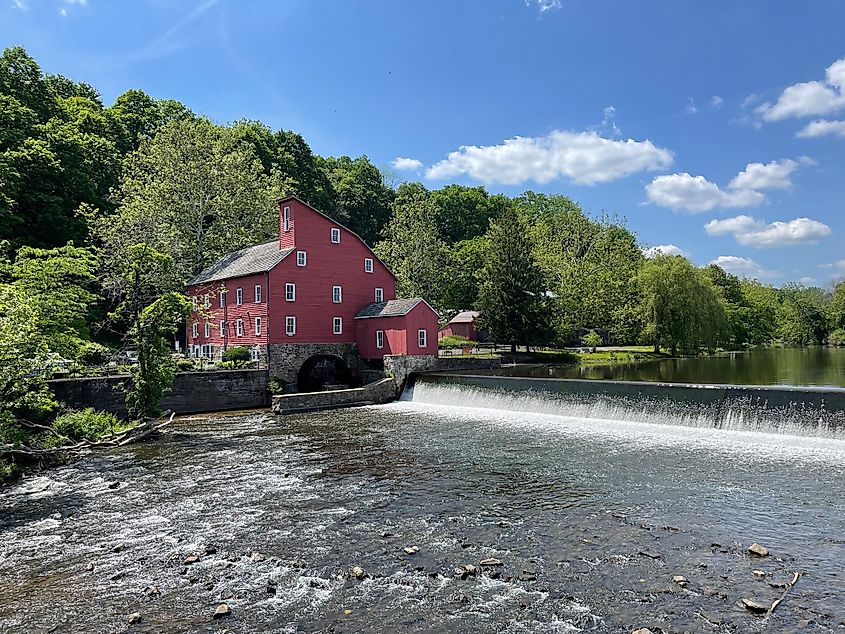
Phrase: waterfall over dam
(810, 411)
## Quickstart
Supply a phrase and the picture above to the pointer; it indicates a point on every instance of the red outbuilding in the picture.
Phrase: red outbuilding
(306, 294)
(462, 325)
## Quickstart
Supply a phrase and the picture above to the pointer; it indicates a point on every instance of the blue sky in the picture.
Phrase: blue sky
(717, 128)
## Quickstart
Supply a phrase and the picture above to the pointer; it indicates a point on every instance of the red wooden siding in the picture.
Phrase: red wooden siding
(461, 329)
(400, 333)
(247, 311)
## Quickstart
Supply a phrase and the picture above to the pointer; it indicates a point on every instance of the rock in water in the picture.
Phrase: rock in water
(256, 557)
(222, 610)
(680, 580)
(755, 606)
(135, 617)
(758, 551)
(191, 559)
(411, 550)
(642, 630)
(468, 570)
(492, 561)
(358, 572)
(758, 573)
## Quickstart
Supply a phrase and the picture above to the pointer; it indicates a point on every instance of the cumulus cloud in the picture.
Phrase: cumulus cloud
(822, 127)
(743, 267)
(716, 101)
(663, 249)
(585, 158)
(756, 233)
(696, 194)
(545, 5)
(809, 98)
(402, 163)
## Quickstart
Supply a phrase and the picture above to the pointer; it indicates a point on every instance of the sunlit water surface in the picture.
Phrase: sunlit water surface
(590, 516)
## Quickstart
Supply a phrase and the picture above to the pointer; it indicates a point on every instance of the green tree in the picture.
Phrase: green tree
(466, 212)
(802, 320)
(466, 261)
(512, 293)
(837, 306)
(152, 317)
(681, 309)
(412, 247)
(592, 340)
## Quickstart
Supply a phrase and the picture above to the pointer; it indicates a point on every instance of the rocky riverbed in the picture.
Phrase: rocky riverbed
(418, 517)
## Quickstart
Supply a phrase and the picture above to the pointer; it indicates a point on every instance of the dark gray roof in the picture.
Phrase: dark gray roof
(258, 259)
(392, 308)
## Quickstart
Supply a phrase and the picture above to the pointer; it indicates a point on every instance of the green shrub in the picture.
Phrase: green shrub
(837, 337)
(86, 424)
(237, 354)
(234, 365)
(185, 365)
(276, 385)
(93, 353)
(455, 341)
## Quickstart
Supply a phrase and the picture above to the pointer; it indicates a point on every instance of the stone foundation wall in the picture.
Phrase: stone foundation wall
(192, 392)
(382, 391)
(400, 367)
(285, 359)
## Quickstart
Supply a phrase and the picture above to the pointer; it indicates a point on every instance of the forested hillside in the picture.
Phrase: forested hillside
(152, 172)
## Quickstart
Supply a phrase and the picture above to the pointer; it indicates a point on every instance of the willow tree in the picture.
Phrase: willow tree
(512, 296)
(680, 307)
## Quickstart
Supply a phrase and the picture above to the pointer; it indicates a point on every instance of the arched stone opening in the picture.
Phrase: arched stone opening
(321, 371)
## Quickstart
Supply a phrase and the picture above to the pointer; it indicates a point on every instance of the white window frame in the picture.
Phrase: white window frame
(337, 325)
(368, 265)
(290, 325)
(379, 295)
(239, 327)
(258, 326)
(222, 328)
(206, 300)
(239, 296)
(337, 294)
(379, 339)
(223, 299)
(422, 338)
(195, 330)
(194, 302)
(207, 330)
(254, 353)
(335, 235)
(258, 293)
(286, 219)
(290, 292)
(301, 258)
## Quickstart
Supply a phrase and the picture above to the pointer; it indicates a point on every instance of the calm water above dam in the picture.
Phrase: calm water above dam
(816, 366)
(591, 515)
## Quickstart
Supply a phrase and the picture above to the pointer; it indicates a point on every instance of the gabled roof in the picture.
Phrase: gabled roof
(391, 308)
(258, 259)
(465, 317)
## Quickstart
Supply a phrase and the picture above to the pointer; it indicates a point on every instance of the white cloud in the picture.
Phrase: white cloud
(19, 4)
(691, 107)
(663, 249)
(756, 233)
(743, 267)
(716, 101)
(584, 157)
(545, 5)
(774, 175)
(750, 100)
(63, 12)
(839, 264)
(696, 194)
(809, 98)
(808, 281)
(402, 163)
(822, 127)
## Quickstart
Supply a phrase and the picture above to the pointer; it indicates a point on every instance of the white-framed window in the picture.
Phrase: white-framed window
(239, 327)
(258, 293)
(337, 325)
(222, 299)
(335, 235)
(194, 301)
(222, 328)
(379, 339)
(207, 330)
(301, 258)
(422, 338)
(337, 294)
(239, 296)
(290, 326)
(257, 326)
(195, 330)
(290, 292)
(368, 265)
(286, 218)
(254, 353)
(206, 300)
(379, 294)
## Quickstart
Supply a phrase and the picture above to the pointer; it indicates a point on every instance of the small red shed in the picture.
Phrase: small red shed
(462, 325)
(398, 326)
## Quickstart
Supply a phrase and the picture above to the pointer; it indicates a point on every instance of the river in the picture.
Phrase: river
(591, 517)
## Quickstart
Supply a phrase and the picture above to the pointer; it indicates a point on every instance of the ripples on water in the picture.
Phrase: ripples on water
(591, 516)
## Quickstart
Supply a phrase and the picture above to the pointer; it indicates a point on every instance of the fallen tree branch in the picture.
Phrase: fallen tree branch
(795, 577)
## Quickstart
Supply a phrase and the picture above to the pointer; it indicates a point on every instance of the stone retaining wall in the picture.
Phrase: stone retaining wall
(400, 367)
(193, 392)
(376, 393)
(285, 359)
